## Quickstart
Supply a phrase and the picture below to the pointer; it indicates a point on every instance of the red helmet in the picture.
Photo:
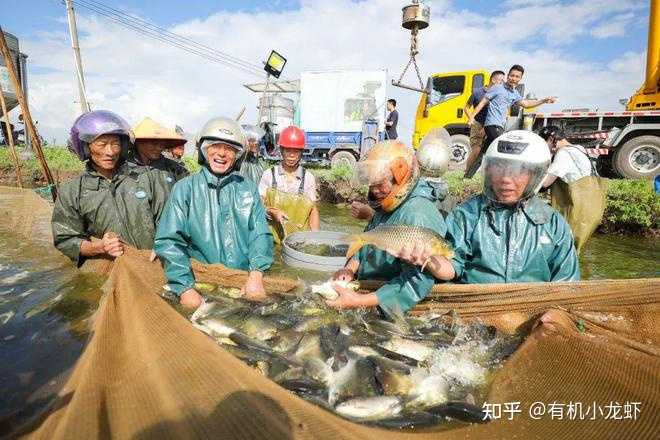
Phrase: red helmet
(292, 137)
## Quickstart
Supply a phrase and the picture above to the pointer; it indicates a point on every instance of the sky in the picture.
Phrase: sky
(588, 53)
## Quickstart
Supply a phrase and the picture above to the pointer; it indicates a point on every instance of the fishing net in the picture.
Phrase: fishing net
(590, 359)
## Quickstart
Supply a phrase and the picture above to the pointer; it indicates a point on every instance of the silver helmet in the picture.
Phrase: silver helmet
(220, 130)
(433, 153)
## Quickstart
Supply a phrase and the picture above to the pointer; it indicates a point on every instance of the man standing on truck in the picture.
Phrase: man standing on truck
(392, 120)
(499, 100)
(576, 191)
(477, 132)
(288, 190)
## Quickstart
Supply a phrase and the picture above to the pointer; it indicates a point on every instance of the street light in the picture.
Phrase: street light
(275, 64)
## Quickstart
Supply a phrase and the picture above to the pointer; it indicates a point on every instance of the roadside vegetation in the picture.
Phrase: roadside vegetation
(632, 205)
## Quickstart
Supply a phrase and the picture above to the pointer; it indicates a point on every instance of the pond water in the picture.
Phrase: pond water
(46, 305)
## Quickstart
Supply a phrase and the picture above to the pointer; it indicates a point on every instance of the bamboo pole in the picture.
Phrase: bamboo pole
(27, 118)
(10, 139)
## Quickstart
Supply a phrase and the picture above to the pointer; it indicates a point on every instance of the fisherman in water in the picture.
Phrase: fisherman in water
(113, 202)
(151, 140)
(288, 191)
(397, 198)
(215, 216)
(506, 234)
(252, 166)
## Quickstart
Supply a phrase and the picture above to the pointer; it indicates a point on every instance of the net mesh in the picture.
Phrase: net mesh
(147, 373)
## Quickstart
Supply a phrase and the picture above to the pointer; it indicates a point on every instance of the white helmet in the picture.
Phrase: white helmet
(514, 153)
(433, 154)
(224, 130)
(253, 132)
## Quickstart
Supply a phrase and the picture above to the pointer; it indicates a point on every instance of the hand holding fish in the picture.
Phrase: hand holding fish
(349, 299)
(346, 273)
(190, 298)
(422, 255)
(253, 290)
(417, 254)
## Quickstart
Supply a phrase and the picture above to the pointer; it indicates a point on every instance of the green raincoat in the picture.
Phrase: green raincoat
(252, 167)
(90, 205)
(213, 220)
(175, 170)
(406, 283)
(496, 244)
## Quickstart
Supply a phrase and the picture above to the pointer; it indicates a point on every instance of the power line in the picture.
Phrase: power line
(158, 29)
(164, 36)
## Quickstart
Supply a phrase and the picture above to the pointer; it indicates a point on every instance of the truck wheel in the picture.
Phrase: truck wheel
(343, 157)
(638, 158)
(460, 150)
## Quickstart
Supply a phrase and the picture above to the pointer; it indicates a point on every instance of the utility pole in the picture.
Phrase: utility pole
(73, 31)
(27, 118)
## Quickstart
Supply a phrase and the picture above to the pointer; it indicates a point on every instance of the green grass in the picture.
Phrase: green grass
(632, 206)
(58, 159)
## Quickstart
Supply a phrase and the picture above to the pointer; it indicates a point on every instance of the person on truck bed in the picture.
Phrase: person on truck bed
(215, 216)
(398, 197)
(499, 100)
(506, 234)
(477, 132)
(151, 139)
(288, 190)
(113, 202)
(576, 191)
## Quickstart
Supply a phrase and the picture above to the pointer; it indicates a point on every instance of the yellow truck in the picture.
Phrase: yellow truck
(625, 143)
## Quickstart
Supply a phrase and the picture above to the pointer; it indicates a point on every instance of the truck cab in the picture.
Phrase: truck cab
(443, 107)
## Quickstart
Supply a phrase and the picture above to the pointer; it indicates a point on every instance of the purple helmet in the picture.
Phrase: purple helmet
(93, 124)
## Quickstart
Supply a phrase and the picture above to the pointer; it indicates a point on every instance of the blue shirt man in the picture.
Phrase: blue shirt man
(500, 98)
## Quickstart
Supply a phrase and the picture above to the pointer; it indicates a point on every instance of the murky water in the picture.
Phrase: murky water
(46, 305)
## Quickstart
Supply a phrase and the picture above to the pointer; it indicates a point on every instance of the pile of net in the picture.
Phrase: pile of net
(588, 366)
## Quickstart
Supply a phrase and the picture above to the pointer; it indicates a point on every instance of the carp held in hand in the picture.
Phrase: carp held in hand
(395, 237)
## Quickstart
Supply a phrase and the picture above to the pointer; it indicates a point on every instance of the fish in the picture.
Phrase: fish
(370, 408)
(327, 291)
(463, 411)
(5, 317)
(395, 237)
(426, 391)
(355, 379)
(334, 343)
(411, 349)
(286, 341)
(215, 327)
(392, 376)
(303, 385)
(259, 329)
(309, 348)
(205, 287)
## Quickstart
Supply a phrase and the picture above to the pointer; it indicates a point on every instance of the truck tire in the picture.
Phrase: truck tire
(343, 157)
(460, 150)
(638, 158)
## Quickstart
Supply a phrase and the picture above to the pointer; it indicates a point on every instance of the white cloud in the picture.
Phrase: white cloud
(136, 76)
(613, 27)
